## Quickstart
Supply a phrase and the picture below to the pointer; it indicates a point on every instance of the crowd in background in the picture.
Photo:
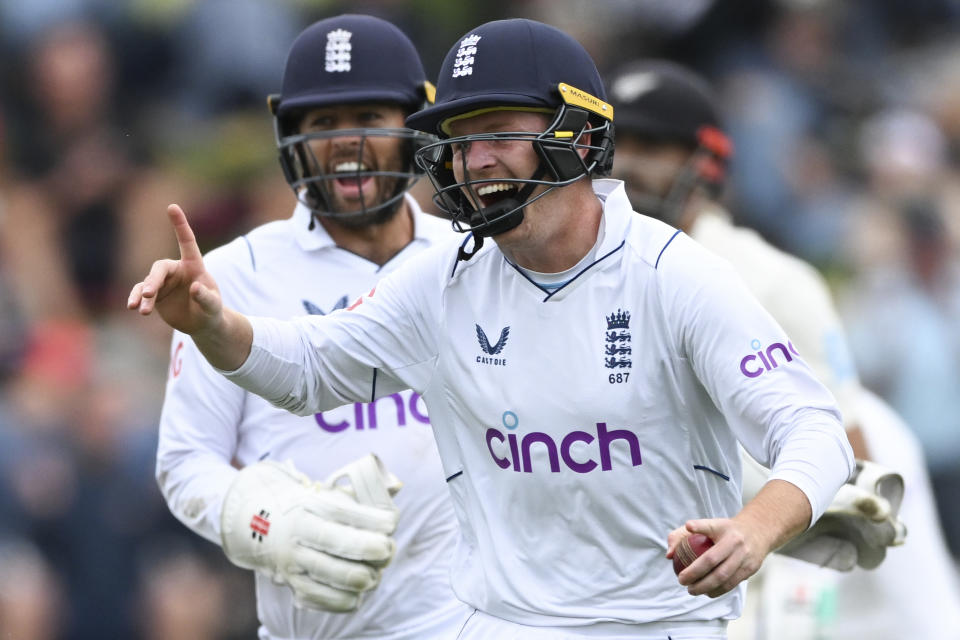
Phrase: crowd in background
(846, 122)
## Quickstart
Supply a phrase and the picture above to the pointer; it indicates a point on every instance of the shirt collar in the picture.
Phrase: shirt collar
(617, 213)
(318, 238)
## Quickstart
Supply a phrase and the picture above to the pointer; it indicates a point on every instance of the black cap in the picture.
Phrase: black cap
(663, 101)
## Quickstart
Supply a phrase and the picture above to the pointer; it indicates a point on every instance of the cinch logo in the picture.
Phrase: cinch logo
(765, 359)
(514, 451)
(365, 414)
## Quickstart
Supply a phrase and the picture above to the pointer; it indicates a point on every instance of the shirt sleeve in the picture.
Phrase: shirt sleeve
(804, 308)
(385, 342)
(784, 417)
(198, 438)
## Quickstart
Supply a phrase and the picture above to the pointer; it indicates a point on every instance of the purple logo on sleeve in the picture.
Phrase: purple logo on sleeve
(513, 451)
(365, 414)
(763, 360)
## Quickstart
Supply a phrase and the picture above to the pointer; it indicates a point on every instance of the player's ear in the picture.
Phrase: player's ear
(586, 140)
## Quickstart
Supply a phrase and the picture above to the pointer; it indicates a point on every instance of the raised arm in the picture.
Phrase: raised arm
(187, 298)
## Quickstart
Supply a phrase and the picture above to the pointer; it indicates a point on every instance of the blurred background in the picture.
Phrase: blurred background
(846, 121)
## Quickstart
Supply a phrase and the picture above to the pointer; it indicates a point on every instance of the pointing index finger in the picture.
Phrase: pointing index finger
(189, 250)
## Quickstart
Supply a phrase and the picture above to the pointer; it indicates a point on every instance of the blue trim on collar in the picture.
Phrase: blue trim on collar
(550, 292)
(524, 274)
(253, 259)
(586, 268)
(676, 233)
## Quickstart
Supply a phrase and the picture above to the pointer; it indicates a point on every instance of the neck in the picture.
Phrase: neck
(377, 243)
(557, 232)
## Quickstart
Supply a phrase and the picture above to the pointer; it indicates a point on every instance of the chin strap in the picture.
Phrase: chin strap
(500, 212)
(464, 255)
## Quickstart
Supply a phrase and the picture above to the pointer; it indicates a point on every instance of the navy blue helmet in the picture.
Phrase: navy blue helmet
(348, 59)
(526, 65)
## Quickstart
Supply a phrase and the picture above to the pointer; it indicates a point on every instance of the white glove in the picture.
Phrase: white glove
(326, 541)
(858, 526)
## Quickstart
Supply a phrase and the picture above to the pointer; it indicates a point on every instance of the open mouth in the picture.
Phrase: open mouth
(494, 192)
(351, 183)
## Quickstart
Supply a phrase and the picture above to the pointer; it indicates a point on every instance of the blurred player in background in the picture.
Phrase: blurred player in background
(578, 368)
(672, 153)
(349, 83)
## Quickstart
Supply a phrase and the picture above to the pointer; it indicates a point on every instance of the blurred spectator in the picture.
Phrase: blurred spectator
(84, 219)
(30, 602)
(904, 323)
(182, 597)
(11, 317)
(76, 457)
(218, 76)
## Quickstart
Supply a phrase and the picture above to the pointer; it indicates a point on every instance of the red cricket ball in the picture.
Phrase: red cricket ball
(689, 549)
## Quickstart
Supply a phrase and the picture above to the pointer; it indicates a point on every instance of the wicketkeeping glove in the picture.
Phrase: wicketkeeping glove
(858, 526)
(327, 541)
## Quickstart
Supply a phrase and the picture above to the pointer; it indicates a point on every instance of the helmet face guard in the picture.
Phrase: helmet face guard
(312, 182)
(561, 164)
(664, 104)
(704, 170)
(530, 66)
(349, 59)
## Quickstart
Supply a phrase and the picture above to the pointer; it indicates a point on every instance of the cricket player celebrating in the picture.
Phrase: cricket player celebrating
(582, 370)
(672, 153)
(348, 84)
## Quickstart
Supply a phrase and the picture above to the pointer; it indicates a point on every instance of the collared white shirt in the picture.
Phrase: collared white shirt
(576, 427)
(284, 270)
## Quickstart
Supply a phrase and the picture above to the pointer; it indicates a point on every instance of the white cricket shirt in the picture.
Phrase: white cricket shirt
(576, 428)
(796, 295)
(283, 270)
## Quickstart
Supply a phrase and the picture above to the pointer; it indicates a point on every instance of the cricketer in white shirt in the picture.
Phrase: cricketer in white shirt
(284, 270)
(913, 593)
(577, 425)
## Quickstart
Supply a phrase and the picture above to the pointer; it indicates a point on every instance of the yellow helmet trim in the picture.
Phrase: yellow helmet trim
(576, 97)
(273, 101)
(445, 125)
(430, 91)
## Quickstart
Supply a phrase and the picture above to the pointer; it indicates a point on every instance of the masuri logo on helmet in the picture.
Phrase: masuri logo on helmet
(526, 65)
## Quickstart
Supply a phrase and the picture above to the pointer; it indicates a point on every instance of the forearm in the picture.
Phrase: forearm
(281, 370)
(814, 455)
(226, 346)
(193, 486)
(778, 513)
